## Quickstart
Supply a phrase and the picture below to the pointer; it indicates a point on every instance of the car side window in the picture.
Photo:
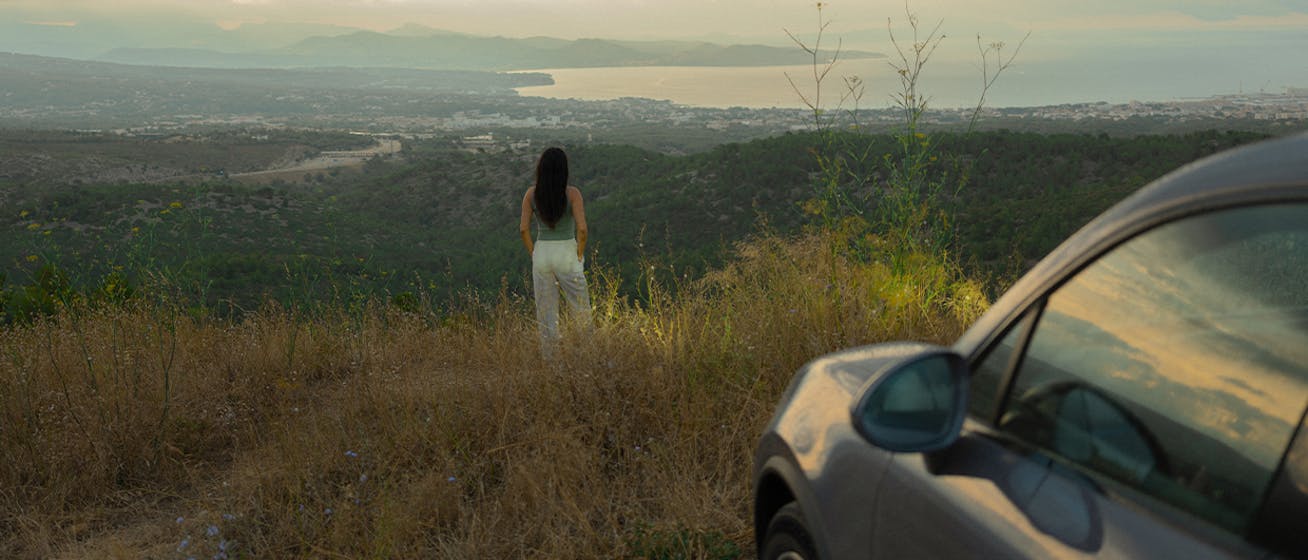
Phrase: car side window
(988, 375)
(1177, 364)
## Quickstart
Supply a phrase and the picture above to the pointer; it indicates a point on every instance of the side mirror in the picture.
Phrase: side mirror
(916, 405)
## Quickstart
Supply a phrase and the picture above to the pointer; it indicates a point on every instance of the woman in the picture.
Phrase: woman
(559, 252)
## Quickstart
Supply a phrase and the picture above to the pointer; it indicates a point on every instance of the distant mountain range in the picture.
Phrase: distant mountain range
(89, 94)
(410, 46)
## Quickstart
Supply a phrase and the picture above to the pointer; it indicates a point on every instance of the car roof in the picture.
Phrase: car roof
(1265, 171)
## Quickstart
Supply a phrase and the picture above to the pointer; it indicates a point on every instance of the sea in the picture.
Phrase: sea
(947, 84)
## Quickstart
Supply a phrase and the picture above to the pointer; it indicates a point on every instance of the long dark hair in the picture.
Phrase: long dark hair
(552, 185)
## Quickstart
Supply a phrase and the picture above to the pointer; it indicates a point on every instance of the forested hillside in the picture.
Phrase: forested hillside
(438, 221)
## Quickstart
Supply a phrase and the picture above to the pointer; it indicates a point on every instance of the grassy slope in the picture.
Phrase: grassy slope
(138, 432)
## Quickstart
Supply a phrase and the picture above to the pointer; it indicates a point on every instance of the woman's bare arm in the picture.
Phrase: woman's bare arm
(579, 216)
(524, 225)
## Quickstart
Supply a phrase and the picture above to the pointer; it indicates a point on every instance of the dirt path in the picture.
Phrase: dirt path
(328, 160)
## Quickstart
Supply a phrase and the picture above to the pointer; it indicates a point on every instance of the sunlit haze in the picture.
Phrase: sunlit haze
(1114, 50)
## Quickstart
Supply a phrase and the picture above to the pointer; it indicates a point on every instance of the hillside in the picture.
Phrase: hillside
(366, 412)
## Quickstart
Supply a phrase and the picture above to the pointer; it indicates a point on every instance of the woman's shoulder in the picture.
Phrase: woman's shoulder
(573, 191)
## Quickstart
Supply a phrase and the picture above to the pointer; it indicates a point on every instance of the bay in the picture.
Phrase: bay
(947, 84)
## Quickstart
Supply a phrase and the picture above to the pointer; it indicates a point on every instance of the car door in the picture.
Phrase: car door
(1142, 408)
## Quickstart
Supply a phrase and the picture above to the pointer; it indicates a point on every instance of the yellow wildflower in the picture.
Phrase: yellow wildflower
(32, 258)
(175, 204)
(23, 214)
(33, 226)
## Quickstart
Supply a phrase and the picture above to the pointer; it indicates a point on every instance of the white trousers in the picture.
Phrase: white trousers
(555, 268)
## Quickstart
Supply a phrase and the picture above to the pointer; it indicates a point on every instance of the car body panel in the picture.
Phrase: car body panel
(819, 448)
(997, 502)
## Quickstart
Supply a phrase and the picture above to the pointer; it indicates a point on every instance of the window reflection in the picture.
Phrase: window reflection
(1198, 332)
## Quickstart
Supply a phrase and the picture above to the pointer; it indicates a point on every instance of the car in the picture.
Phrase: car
(1139, 393)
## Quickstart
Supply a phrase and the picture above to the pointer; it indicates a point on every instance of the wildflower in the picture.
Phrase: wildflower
(34, 258)
(185, 543)
(920, 135)
(175, 204)
(451, 479)
(180, 520)
(46, 232)
(23, 214)
(327, 511)
(212, 531)
(34, 226)
(363, 478)
(228, 517)
(351, 454)
(136, 229)
(165, 212)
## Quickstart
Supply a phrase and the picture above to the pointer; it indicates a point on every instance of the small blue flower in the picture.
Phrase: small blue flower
(228, 517)
(351, 454)
(212, 531)
(185, 543)
(327, 511)
(451, 479)
(222, 545)
(180, 520)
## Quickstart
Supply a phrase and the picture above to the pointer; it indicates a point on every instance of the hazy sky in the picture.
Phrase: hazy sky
(755, 20)
(1100, 49)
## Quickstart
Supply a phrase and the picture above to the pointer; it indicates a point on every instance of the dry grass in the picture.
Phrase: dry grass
(139, 432)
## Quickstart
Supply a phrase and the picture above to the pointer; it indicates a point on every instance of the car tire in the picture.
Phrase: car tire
(788, 537)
